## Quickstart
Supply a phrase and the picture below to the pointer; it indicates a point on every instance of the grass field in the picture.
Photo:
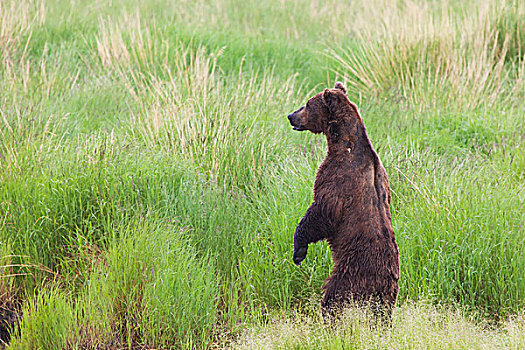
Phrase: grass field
(150, 183)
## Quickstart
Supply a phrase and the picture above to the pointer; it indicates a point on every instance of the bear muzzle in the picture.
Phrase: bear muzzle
(295, 121)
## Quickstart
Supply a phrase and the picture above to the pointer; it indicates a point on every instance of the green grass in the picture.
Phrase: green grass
(150, 183)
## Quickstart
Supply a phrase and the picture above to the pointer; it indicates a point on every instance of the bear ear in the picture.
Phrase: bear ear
(340, 86)
(331, 99)
(328, 97)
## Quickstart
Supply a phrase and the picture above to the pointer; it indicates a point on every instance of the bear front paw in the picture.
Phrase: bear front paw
(299, 254)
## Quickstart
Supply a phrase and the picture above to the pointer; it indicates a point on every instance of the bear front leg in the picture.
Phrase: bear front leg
(313, 227)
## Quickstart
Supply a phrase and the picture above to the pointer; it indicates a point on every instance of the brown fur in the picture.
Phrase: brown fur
(350, 208)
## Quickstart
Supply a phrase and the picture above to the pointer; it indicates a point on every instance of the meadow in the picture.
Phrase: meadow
(150, 183)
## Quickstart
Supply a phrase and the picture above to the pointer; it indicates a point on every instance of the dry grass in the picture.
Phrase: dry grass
(431, 55)
(17, 18)
(197, 113)
(127, 42)
(416, 326)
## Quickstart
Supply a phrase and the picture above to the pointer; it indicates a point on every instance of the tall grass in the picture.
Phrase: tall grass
(150, 183)
(48, 322)
(151, 289)
(470, 254)
(428, 59)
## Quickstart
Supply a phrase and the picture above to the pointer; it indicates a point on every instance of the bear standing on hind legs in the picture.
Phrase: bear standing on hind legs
(350, 209)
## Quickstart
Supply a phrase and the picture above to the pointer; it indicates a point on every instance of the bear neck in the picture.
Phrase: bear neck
(352, 140)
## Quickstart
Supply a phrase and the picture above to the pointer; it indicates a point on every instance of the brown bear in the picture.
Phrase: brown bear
(350, 208)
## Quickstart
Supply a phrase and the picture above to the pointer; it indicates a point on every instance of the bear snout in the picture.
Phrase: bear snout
(295, 121)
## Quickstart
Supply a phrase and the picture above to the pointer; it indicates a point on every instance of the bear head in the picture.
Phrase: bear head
(329, 112)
